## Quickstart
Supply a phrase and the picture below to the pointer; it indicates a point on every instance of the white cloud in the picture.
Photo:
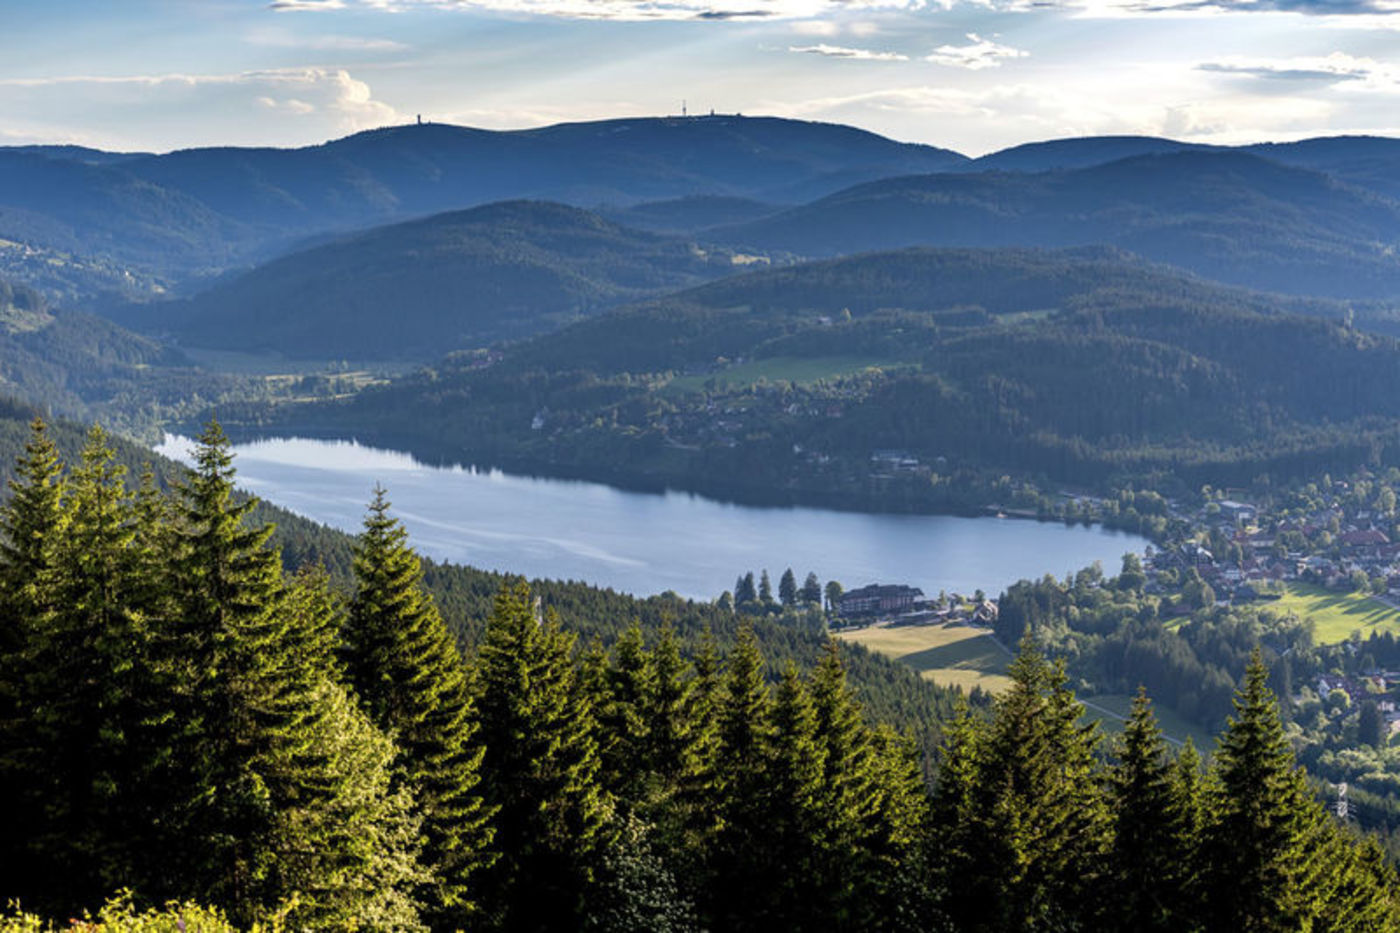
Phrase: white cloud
(174, 110)
(979, 53)
(838, 51)
(622, 10)
(323, 43)
(1336, 68)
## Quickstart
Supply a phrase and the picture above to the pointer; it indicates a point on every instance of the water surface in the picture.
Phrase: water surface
(644, 543)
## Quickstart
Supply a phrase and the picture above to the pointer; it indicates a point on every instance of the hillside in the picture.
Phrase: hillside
(725, 390)
(179, 217)
(420, 289)
(1229, 216)
(85, 367)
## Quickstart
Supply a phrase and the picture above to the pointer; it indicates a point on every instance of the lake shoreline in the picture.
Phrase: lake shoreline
(654, 541)
(709, 488)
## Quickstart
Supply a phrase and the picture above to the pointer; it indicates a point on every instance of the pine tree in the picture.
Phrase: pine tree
(787, 874)
(410, 679)
(30, 524)
(739, 786)
(540, 770)
(1145, 862)
(1256, 854)
(765, 589)
(745, 591)
(811, 593)
(1030, 853)
(268, 789)
(787, 588)
(628, 683)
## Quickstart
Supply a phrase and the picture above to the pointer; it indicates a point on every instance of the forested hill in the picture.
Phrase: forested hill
(892, 692)
(187, 725)
(784, 393)
(417, 290)
(1229, 216)
(176, 218)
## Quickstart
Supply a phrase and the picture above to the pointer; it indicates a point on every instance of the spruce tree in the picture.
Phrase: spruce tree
(811, 592)
(30, 523)
(268, 793)
(1146, 862)
(410, 679)
(1256, 857)
(739, 787)
(540, 770)
(787, 588)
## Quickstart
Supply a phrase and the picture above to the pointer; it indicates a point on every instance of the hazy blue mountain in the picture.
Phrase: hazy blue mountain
(1080, 152)
(185, 215)
(1230, 216)
(692, 214)
(422, 288)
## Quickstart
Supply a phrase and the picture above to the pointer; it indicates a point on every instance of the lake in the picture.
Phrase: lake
(645, 543)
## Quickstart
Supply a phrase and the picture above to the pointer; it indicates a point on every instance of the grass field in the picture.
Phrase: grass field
(785, 368)
(1336, 615)
(967, 657)
(1111, 710)
(955, 655)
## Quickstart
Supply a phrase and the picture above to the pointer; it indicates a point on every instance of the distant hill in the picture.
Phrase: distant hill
(1080, 152)
(691, 215)
(185, 215)
(420, 289)
(1230, 216)
(81, 366)
(1371, 162)
(1081, 366)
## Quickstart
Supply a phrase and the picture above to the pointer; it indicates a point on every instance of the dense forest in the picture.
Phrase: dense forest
(183, 720)
(786, 386)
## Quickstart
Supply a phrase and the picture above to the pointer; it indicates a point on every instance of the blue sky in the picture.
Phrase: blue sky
(972, 76)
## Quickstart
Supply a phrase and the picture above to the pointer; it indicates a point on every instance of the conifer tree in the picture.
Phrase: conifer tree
(787, 588)
(30, 523)
(1257, 858)
(410, 678)
(1146, 861)
(540, 770)
(628, 683)
(787, 879)
(264, 780)
(1029, 853)
(811, 592)
(739, 786)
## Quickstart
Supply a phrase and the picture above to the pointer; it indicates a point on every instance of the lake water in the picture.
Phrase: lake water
(645, 543)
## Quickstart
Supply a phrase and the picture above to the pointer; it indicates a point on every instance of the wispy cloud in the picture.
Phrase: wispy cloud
(839, 51)
(1336, 68)
(979, 53)
(623, 10)
(280, 39)
(314, 103)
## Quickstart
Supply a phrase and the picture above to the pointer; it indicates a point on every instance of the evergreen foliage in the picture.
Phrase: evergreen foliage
(410, 679)
(187, 722)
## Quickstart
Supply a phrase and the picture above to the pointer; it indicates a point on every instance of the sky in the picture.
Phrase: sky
(969, 75)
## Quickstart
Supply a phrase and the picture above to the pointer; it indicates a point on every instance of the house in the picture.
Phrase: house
(877, 597)
(1241, 513)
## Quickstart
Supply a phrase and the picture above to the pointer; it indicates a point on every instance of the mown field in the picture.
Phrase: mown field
(954, 655)
(967, 657)
(1336, 615)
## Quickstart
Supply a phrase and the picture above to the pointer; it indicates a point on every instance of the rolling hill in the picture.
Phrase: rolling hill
(775, 387)
(419, 289)
(1229, 216)
(184, 216)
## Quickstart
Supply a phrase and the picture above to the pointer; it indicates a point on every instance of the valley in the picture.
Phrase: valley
(1140, 396)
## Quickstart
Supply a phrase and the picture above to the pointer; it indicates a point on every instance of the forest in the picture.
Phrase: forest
(193, 735)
